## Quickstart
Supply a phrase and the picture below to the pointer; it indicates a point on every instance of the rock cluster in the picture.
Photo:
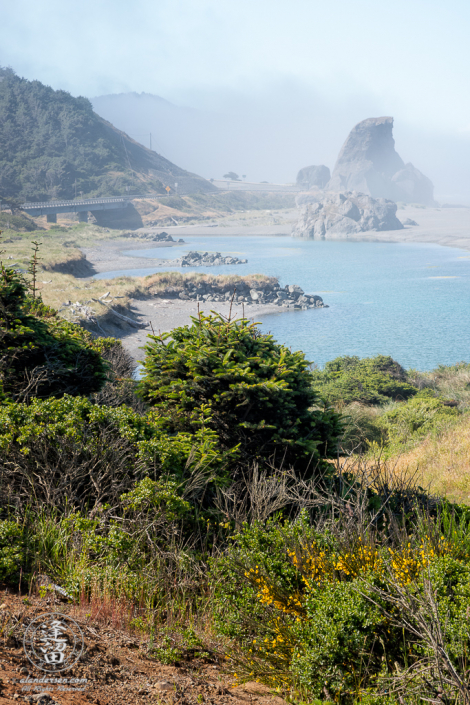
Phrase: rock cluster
(329, 216)
(154, 237)
(368, 163)
(208, 259)
(313, 177)
(290, 296)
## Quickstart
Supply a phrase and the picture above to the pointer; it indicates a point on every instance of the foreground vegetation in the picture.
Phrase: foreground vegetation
(236, 492)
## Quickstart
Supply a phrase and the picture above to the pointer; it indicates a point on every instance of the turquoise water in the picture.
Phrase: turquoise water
(411, 301)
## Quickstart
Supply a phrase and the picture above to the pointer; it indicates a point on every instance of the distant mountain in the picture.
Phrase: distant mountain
(53, 145)
(197, 139)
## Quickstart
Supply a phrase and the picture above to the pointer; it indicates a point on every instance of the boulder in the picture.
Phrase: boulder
(313, 177)
(368, 163)
(256, 295)
(337, 216)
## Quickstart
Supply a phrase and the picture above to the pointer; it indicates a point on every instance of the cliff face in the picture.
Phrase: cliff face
(53, 145)
(368, 163)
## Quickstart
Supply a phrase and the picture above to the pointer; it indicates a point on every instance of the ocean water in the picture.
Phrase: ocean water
(407, 300)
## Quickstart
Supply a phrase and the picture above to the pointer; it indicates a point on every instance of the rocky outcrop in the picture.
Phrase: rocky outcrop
(208, 259)
(199, 259)
(338, 216)
(290, 296)
(313, 177)
(154, 237)
(368, 163)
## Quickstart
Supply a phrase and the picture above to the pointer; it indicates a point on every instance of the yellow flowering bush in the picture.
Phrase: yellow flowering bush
(301, 607)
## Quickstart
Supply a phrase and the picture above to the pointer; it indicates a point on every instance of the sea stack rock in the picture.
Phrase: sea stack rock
(337, 216)
(313, 177)
(369, 164)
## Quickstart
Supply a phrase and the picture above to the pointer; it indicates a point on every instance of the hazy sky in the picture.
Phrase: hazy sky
(338, 61)
(413, 56)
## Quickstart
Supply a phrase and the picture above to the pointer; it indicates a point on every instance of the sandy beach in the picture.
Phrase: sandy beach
(108, 257)
(449, 227)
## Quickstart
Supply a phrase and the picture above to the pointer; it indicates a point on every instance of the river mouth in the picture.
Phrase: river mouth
(408, 300)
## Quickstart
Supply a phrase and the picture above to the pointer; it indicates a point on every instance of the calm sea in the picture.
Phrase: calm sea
(411, 301)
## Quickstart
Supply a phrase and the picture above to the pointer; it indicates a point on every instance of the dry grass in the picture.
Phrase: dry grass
(442, 463)
(451, 382)
(154, 283)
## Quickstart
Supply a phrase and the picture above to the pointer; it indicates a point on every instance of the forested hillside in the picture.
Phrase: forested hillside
(53, 145)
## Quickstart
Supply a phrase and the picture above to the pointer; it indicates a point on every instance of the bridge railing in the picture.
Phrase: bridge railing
(62, 204)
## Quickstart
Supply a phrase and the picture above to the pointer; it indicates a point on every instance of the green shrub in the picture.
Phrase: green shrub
(373, 380)
(361, 428)
(335, 612)
(413, 420)
(255, 394)
(41, 354)
(20, 222)
(12, 551)
(72, 453)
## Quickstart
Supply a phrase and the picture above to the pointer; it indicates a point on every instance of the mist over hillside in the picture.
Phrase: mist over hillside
(270, 136)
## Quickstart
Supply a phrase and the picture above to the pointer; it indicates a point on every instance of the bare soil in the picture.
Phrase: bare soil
(116, 663)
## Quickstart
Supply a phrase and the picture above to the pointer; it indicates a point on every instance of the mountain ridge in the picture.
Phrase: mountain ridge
(53, 145)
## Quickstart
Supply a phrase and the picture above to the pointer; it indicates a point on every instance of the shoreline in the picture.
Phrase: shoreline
(448, 227)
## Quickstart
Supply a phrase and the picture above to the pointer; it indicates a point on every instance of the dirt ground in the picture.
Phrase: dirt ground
(116, 664)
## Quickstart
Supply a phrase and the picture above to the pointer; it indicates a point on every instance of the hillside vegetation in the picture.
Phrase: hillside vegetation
(209, 503)
(53, 145)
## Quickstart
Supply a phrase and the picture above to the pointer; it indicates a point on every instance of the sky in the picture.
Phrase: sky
(406, 58)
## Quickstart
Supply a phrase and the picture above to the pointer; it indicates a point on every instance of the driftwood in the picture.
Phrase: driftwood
(134, 324)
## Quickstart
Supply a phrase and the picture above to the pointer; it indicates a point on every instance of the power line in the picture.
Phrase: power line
(145, 134)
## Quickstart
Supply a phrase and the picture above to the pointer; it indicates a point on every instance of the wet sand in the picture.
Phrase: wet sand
(449, 227)
(108, 257)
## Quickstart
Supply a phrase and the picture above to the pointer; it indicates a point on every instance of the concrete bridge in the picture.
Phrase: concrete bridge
(51, 208)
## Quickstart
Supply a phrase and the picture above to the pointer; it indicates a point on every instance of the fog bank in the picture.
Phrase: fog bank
(270, 135)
